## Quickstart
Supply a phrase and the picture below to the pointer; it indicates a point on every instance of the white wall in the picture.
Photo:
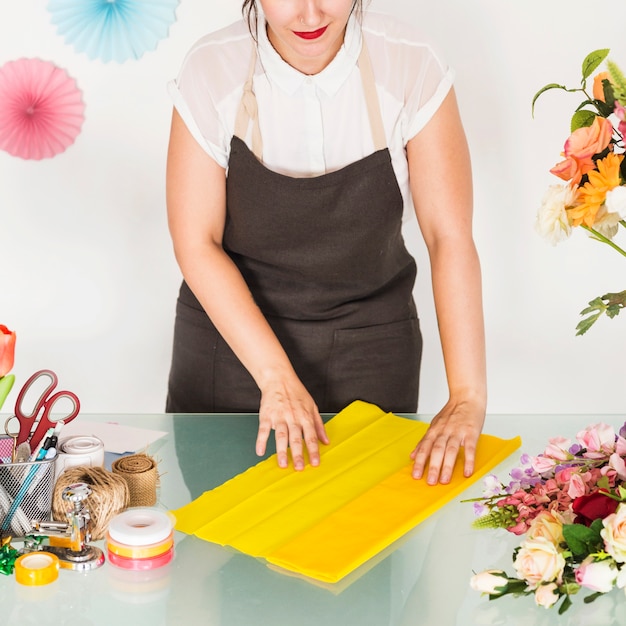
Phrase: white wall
(87, 275)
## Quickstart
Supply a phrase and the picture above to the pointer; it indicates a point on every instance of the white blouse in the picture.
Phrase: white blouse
(313, 125)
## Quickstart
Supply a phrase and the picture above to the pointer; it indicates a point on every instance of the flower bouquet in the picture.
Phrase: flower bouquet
(594, 169)
(569, 505)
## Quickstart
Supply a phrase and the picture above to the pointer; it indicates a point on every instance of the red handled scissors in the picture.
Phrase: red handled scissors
(28, 431)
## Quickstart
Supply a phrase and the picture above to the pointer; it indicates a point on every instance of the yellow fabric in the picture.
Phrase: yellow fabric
(324, 522)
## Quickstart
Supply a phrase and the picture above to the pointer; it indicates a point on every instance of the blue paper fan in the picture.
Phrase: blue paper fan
(113, 30)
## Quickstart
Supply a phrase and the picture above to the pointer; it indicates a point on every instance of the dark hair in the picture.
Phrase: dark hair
(250, 12)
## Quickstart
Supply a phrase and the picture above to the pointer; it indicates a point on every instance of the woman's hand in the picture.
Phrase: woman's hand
(457, 425)
(289, 410)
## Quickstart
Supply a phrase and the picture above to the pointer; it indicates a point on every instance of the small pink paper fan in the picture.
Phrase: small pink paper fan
(41, 109)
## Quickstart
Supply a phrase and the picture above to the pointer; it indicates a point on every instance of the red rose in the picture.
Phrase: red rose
(596, 505)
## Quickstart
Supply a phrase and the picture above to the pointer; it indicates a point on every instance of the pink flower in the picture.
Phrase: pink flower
(616, 462)
(557, 449)
(576, 486)
(620, 113)
(542, 464)
(599, 576)
(598, 439)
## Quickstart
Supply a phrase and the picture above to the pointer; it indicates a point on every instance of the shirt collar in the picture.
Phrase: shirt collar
(329, 80)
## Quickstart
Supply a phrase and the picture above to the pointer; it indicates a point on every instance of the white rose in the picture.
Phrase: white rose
(539, 561)
(616, 201)
(614, 534)
(545, 595)
(488, 581)
(552, 221)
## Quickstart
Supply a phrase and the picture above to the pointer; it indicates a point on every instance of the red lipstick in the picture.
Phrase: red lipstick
(312, 34)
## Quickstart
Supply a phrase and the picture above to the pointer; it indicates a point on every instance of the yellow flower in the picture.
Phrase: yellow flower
(592, 194)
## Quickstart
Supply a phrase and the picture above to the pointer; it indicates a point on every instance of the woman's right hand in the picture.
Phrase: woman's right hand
(288, 409)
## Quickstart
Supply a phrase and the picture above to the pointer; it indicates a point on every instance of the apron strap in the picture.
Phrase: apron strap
(248, 109)
(371, 99)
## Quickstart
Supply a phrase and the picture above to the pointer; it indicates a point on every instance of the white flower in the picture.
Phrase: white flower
(545, 595)
(552, 221)
(606, 223)
(614, 534)
(539, 561)
(489, 581)
(616, 201)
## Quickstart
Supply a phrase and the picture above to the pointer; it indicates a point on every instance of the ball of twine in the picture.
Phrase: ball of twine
(109, 496)
(141, 475)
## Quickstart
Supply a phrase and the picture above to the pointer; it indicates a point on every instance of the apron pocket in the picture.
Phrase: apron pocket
(377, 364)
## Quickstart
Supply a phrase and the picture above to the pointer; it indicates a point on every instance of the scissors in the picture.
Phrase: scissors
(46, 402)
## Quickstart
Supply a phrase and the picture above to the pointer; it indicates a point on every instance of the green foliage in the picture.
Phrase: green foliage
(610, 304)
(619, 81)
(582, 540)
(582, 118)
(592, 62)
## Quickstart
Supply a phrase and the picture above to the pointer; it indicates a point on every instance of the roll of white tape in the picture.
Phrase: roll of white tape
(84, 450)
(141, 526)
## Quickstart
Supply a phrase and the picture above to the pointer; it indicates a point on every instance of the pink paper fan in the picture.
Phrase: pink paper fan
(41, 109)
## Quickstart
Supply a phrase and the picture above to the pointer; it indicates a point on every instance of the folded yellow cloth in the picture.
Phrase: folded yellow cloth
(324, 522)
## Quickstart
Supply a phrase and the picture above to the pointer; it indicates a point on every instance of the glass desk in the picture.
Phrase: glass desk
(423, 580)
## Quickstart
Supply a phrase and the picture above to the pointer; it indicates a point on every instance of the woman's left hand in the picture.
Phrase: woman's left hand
(458, 425)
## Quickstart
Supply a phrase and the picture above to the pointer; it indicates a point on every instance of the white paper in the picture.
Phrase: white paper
(117, 438)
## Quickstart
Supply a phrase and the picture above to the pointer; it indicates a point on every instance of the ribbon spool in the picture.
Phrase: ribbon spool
(139, 552)
(141, 539)
(37, 568)
(79, 450)
(141, 527)
(142, 564)
(141, 475)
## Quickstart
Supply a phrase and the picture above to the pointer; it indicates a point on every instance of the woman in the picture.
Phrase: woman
(300, 137)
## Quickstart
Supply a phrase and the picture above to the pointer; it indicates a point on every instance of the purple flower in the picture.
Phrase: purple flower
(576, 448)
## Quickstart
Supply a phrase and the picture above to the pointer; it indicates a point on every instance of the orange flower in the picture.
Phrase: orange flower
(7, 350)
(592, 194)
(580, 148)
(598, 89)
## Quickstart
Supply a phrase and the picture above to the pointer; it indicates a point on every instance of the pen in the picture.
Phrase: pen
(35, 453)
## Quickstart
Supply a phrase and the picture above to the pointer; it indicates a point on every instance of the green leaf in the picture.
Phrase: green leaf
(593, 60)
(582, 119)
(584, 325)
(6, 383)
(580, 539)
(567, 602)
(543, 90)
(596, 526)
(592, 597)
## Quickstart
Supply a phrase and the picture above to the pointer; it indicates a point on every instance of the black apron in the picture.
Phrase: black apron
(325, 260)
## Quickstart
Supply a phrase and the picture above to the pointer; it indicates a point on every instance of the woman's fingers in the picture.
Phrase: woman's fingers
(439, 449)
(296, 431)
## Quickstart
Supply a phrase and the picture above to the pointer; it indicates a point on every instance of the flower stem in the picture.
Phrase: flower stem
(604, 239)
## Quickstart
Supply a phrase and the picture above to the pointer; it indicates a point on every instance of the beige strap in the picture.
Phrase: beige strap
(248, 110)
(371, 99)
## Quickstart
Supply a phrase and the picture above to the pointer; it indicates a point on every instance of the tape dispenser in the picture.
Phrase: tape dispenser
(69, 541)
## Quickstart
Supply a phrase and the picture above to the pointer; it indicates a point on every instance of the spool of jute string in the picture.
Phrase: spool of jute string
(141, 475)
(109, 496)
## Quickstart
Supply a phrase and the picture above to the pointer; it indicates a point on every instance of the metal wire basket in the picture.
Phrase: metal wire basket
(25, 494)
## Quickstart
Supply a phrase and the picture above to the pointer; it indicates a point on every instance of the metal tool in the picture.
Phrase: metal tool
(32, 426)
(69, 540)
